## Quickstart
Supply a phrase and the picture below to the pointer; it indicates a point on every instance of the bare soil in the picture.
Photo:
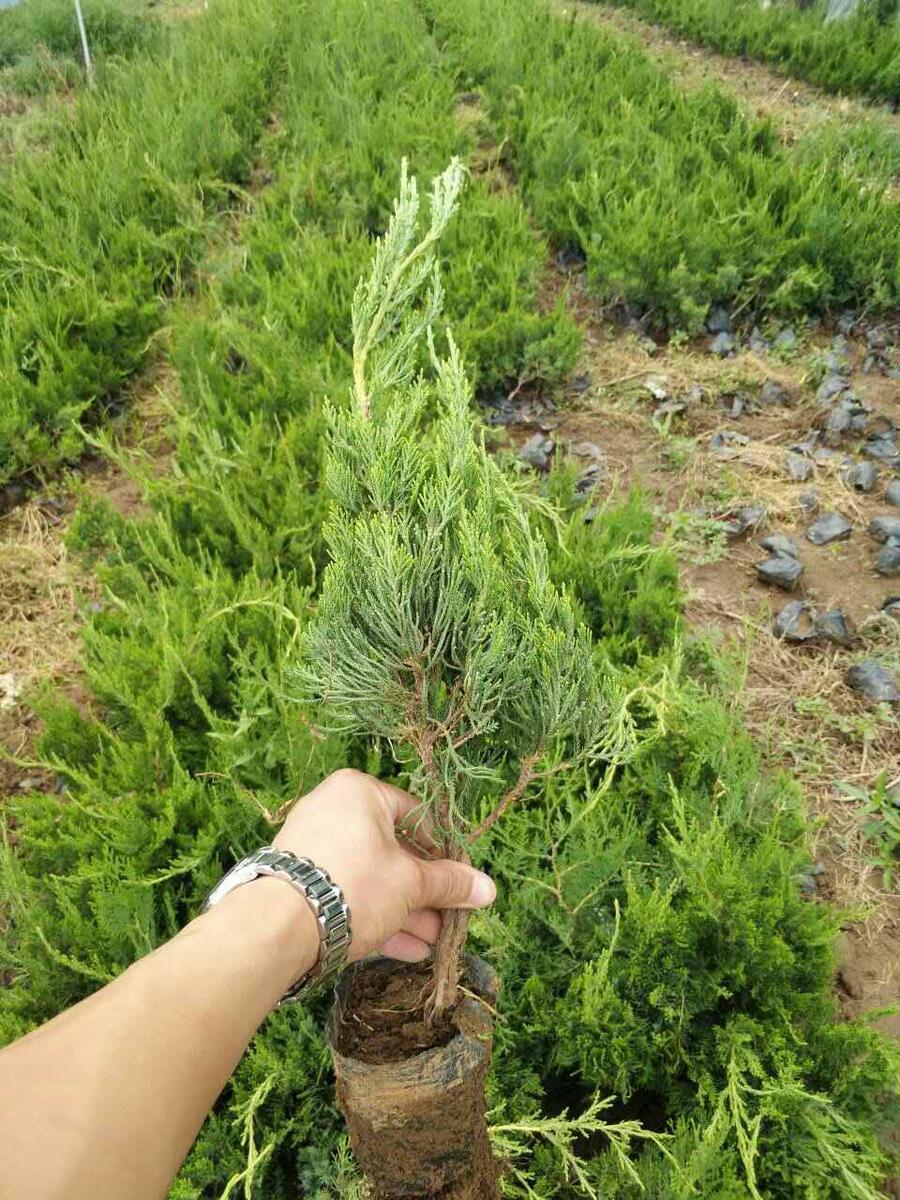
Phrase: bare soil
(386, 1016)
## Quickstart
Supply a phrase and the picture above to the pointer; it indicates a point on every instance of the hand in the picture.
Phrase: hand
(347, 826)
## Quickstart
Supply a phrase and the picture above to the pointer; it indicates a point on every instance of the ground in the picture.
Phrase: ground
(794, 697)
(797, 108)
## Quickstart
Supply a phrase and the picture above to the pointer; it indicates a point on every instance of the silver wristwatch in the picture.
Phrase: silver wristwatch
(324, 897)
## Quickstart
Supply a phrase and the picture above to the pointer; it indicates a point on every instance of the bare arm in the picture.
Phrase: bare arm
(105, 1100)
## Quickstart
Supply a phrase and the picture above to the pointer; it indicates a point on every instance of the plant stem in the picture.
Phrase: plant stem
(361, 353)
(447, 951)
(526, 774)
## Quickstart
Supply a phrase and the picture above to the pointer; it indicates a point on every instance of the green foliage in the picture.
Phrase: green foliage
(861, 54)
(516, 1140)
(134, 201)
(627, 591)
(96, 229)
(113, 29)
(880, 826)
(676, 199)
(648, 930)
(662, 891)
(659, 950)
(438, 630)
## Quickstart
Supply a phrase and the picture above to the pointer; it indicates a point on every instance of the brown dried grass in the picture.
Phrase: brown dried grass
(845, 745)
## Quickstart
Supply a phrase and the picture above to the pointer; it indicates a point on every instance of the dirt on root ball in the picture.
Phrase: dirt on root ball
(385, 1015)
(413, 1094)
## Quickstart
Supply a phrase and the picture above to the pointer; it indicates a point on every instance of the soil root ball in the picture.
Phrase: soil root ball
(412, 1094)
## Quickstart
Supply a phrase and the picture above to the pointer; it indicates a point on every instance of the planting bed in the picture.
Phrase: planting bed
(858, 55)
(665, 937)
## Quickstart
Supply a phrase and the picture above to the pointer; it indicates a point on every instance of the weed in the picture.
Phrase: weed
(880, 817)
(694, 537)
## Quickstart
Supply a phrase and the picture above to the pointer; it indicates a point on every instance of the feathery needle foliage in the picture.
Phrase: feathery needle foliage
(439, 630)
(860, 55)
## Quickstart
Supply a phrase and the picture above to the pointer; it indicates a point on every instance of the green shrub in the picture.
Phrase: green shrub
(661, 951)
(665, 916)
(121, 29)
(650, 932)
(101, 231)
(99, 228)
(861, 54)
(676, 199)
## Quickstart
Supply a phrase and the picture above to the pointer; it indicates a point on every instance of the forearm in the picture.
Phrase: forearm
(106, 1100)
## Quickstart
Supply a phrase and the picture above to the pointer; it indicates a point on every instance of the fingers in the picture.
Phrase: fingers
(408, 814)
(424, 924)
(414, 941)
(406, 948)
(446, 884)
(400, 804)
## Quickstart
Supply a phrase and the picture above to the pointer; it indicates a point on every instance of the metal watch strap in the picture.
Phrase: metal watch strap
(324, 897)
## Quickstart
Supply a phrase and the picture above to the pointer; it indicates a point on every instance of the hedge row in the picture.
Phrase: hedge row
(860, 55)
(96, 231)
(675, 199)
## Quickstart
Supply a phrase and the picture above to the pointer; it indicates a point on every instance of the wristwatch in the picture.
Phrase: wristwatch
(324, 897)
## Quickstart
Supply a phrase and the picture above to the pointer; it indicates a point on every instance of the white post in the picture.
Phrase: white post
(88, 66)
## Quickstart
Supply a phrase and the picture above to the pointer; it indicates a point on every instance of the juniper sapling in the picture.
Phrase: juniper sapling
(438, 632)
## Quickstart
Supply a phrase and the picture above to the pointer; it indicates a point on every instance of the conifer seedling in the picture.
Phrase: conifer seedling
(439, 632)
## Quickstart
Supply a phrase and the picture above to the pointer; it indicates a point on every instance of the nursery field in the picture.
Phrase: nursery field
(676, 291)
(859, 55)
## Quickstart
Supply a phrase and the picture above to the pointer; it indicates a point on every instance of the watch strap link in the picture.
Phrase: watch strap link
(323, 896)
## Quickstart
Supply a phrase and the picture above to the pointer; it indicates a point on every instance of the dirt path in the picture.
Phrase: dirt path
(45, 593)
(796, 107)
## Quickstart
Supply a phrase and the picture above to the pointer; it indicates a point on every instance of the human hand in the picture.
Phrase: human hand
(347, 826)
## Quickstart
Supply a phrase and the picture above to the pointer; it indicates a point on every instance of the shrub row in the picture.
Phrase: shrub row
(859, 55)
(49, 27)
(99, 229)
(99, 233)
(661, 951)
(676, 199)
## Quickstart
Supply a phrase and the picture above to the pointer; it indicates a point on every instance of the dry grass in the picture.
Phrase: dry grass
(39, 590)
(808, 722)
(41, 598)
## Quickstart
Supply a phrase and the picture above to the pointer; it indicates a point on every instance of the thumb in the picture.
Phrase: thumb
(446, 884)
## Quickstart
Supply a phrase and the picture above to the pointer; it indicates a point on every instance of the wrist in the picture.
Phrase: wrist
(272, 927)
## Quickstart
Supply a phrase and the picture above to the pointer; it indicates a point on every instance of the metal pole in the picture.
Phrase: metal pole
(88, 66)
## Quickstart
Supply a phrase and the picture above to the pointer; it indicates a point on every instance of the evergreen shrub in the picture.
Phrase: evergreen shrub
(676, 199)
(650, 931)
(859, 55)
(98, 228)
